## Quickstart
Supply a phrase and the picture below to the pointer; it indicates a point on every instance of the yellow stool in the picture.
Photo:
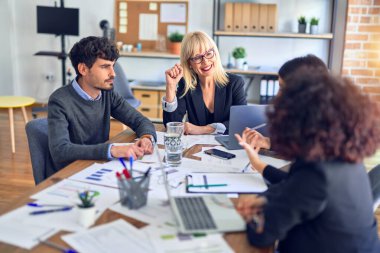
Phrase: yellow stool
(11, 102)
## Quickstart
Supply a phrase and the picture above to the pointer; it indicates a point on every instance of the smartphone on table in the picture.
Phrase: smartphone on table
(219, 154)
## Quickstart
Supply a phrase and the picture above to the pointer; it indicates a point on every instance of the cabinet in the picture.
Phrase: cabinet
(333, 52)
(150, 98)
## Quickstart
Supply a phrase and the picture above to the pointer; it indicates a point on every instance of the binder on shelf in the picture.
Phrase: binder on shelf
(272, 18)
(237, 17)
(270, 94)
(246, 16)
(263, 90)
(228, 16)
(276, 87)
(254, 17)
(263, 18)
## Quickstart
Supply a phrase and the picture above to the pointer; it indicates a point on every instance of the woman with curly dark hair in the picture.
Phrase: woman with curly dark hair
(324, 204)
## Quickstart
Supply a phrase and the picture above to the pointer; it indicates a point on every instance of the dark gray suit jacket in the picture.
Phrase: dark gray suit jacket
(320, 207)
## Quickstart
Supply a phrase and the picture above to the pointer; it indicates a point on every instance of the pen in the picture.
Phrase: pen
(56, 246)
(121, 182)
(131, 165)
(147, 172)
(205, 180)
(209, 185)
(122, 163)
(125, 171)
(43, 205)
(67, 208)
(259, 126)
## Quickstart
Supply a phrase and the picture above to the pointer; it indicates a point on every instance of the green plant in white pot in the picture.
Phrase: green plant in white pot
(302, 24)
(314, 22)
(86, 208)
(239, 55)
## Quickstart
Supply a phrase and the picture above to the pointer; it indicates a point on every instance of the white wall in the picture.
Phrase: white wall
(6, 66)
(24, 74)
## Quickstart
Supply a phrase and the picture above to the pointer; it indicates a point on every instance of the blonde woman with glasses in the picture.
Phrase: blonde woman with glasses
(200, 88)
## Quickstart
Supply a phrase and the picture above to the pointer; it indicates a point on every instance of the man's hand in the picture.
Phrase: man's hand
(127, 151)
(146, 145)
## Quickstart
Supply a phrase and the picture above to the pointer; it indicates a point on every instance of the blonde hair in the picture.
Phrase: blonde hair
(192, 42)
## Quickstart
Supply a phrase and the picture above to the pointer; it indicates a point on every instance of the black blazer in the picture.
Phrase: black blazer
(320, 207)
(193, 104)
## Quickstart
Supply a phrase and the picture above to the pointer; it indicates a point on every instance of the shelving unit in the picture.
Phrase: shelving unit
(335, 37)
(325, 36)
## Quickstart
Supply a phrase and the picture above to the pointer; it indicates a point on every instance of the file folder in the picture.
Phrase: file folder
(272, 18)
(246, 16)
(237, 17)
(228, 16)
(254, 17)
(263, 18)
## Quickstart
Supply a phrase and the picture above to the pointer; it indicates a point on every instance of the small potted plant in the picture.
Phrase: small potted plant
(314, 25)
(175, 42)
(239, 55)
(302, 24)
(86, 208)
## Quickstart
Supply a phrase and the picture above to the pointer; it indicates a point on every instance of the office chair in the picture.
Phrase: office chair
(121, 86)
(42, 162)
(374, 179)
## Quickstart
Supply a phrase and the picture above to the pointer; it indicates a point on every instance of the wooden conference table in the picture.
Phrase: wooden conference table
(237, 241)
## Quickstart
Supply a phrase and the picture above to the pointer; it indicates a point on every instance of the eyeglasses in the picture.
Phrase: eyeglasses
(209, 54)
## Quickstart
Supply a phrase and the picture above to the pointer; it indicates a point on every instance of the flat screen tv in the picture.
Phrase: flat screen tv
(57, 20)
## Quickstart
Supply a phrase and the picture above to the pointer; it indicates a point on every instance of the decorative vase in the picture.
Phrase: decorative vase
(239, 62)
(301, 28)
(313, 29)
(86, 216)
(175, 48)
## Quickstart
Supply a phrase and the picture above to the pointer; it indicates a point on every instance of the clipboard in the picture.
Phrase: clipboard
(225, 183)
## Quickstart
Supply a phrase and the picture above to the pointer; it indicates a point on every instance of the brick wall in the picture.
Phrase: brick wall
(361, 60)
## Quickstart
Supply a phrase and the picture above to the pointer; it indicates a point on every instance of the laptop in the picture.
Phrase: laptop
(242, 116)
(202, 214)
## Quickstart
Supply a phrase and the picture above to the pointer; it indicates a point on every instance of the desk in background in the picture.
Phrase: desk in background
(237, 241)
(150, 95)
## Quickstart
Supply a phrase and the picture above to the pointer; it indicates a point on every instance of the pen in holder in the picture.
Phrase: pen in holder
(134, 192)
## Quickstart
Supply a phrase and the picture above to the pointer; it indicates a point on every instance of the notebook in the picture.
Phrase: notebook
(202, 214)
(242, 116)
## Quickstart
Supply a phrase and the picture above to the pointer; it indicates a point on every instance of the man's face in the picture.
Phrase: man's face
(100, 76)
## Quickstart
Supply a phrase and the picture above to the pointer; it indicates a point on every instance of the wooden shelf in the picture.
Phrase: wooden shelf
(324, 36)
(260, 70)
(149, 54)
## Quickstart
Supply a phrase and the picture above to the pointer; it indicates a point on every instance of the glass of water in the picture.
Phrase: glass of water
(173, 143)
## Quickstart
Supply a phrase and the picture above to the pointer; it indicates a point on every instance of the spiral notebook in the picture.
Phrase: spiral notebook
(199, 182)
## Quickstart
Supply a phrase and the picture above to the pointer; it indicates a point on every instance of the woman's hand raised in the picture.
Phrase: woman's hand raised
(172, 75)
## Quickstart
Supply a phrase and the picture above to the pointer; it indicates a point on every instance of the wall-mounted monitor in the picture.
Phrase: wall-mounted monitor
(57, 20)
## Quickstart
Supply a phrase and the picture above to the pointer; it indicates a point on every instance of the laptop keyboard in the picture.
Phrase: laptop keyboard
(194, 213)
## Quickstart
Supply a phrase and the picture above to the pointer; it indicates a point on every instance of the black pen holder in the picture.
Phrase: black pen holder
(134, 192)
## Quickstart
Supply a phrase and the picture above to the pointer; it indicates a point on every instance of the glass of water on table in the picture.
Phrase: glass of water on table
(173, 143)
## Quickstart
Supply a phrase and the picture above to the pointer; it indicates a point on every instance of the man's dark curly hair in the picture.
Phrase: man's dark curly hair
(319, 117)
(88, 49)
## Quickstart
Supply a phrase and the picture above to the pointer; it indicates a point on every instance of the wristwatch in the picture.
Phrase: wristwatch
(150, 137)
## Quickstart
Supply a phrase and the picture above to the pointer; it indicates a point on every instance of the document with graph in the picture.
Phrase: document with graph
(199, 182)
